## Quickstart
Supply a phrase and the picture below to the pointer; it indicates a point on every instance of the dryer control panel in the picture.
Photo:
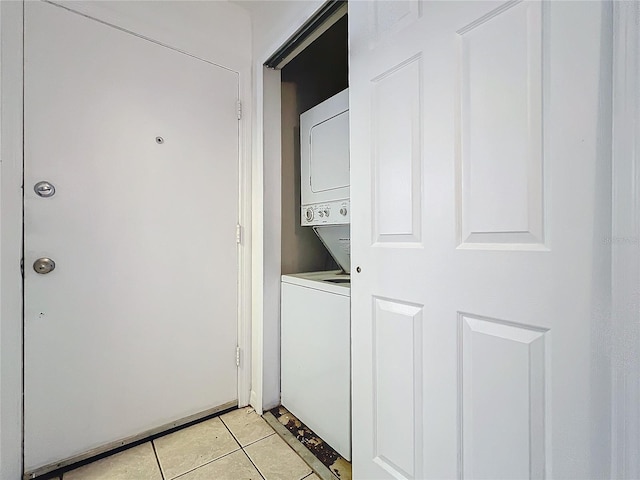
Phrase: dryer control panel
(330, 213)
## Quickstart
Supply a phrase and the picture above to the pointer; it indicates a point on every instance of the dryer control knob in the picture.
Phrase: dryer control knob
(308, 215)
(343, 211)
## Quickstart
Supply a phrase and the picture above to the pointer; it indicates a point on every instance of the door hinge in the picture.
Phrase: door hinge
(237, 356)
(22, 267)
(239, 109)
(238, 233)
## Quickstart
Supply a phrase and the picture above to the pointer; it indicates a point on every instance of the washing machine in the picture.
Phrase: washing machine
(316, 354)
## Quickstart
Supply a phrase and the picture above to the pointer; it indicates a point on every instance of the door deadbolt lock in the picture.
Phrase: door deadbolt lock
(44, 189)
(44, 265)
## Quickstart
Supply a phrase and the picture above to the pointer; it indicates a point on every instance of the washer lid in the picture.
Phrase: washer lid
(337, 239)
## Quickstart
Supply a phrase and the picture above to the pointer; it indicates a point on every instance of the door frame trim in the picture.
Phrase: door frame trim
(625, 242)
(11, 211)
(11, 153)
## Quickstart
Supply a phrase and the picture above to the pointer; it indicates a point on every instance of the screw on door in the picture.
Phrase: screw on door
(44, 265)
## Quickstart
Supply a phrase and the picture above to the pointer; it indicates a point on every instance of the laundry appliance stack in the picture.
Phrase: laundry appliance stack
(315, 308)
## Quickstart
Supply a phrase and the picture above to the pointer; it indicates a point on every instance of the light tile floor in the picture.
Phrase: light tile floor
(238, 445)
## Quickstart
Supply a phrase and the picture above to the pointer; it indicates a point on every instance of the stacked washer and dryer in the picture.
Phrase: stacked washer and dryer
(315, 308)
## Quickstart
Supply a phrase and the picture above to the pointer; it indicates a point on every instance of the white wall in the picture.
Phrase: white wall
(273, 22)
(219, 32)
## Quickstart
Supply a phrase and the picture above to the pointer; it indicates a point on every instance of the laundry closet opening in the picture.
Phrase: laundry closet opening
(316, 74)
(315, 245)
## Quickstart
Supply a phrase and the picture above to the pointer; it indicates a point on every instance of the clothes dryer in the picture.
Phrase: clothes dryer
(324, 162)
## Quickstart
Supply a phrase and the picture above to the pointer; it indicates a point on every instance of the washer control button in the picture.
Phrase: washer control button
(343, 211)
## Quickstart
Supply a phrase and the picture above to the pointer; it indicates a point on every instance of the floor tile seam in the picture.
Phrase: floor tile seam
(239, 447)
(290, 447)
(206, 463)
(308, 475)
(249, 456)
(230, 432)
(259, 440)
(254, 463)
(254, 441)
(155, 452)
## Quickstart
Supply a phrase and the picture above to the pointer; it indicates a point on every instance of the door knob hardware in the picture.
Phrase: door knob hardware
(358, 269)
(44, 265)
(44, 189)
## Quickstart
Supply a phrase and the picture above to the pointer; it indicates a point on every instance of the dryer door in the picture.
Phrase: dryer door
(324, 149)
(329, 154)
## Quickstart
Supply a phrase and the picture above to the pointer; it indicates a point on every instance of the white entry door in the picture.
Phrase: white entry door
(136, 326)
(478, 161)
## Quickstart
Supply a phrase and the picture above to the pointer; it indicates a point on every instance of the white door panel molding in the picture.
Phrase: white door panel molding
(480, 144)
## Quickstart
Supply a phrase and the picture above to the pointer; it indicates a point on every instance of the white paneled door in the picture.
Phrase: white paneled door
(475, 142)
(136, 326)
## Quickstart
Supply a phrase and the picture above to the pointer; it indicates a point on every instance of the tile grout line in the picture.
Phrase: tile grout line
(229, 430)
(243, 450)
(231, 433)
(260, 439)
(253, 463)
(240, 447)
(153, 445)
(255, 441)
(207, 463)
(243, 447)
(215, 459)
